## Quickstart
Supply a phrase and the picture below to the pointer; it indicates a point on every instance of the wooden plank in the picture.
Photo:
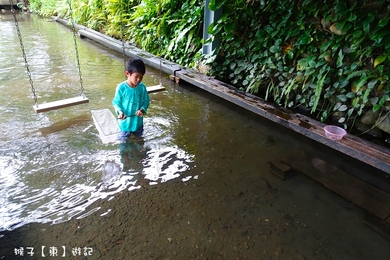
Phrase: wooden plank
(175, 79)
(60, 104)
(362, 194)
(155, 88)
(279, 169)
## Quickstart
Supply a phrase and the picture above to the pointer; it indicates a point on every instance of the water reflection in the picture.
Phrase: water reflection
(111, 173)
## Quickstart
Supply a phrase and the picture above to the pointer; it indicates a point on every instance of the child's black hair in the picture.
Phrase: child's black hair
(135, 65)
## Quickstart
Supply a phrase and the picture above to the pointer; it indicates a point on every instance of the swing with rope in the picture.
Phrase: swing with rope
(44, 107)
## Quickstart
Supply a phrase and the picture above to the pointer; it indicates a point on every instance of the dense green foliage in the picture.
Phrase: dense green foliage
(331, 57)
(169, 28)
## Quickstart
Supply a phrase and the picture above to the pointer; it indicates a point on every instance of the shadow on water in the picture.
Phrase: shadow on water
(65, 124)
(196, 186)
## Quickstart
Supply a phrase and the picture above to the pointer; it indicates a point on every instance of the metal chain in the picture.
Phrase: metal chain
(75, 46)
(24, 53)
(160, 72)
(160, 58)
(122, 36)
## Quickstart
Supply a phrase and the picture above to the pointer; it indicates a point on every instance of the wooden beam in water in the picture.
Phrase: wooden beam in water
(60, 104)
(174, 78)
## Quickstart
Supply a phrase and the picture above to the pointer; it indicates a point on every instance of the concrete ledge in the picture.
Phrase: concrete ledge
(5, 4)
(360, 149)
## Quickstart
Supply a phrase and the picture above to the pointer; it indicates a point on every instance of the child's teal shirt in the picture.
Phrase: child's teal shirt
(129, 100)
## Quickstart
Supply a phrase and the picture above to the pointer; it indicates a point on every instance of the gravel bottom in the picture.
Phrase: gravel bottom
(217, 216)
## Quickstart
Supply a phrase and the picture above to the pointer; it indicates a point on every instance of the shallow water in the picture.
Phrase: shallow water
(52, 162)
(199, 179)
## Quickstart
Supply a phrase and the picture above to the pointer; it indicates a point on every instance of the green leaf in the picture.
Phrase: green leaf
(342, 98)
(341, 120)
(229, 27)
(343, 108)
(274, 49)
(290, 54)
(354, 65)
(241, 52)
(295, 32)
(318, 91)
(372, 83)
(260, 33)
(357, 34)
(182, 34)
(337, 106)
(351, 17)
(213, 28)
(278, 42)
(350, 111)
(374, 100)
(380, 69)
(355, 102)
(378, 60)
(384, 21)
(383, 100)
(340, 58)
(341, 6)
(216, 4)
(368, 20)
(324, 115)
(344, 83)
(346, 27)
(376, 108)
(306, 39)
(255, 57)
(365, 95)
(229, 37)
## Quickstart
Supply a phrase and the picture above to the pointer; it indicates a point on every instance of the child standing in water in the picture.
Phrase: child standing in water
(131, 101)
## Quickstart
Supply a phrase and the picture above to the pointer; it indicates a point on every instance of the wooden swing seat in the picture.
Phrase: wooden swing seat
(77, 101)
(155, 88)
(60, 104)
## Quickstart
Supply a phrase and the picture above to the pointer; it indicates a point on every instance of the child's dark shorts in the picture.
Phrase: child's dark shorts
(123, 136)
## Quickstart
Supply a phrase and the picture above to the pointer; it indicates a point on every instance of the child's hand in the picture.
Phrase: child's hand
(121, 115)
(139, 113)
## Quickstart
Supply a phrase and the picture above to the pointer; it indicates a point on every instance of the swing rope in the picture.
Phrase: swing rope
(24, 52)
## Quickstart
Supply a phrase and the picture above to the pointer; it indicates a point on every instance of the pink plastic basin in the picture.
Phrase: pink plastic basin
(334, 132)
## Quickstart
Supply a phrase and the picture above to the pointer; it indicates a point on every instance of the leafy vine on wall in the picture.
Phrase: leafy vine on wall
(330, 57)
